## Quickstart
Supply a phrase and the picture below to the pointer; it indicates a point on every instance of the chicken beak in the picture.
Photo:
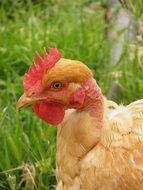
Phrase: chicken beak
(26, 101)
(23, 102)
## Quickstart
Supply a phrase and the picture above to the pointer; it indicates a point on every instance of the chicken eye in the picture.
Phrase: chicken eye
(57, 85)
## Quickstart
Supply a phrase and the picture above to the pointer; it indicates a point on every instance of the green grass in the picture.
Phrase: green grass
(77, 29)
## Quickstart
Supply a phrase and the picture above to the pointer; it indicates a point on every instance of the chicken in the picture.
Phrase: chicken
(99, 143)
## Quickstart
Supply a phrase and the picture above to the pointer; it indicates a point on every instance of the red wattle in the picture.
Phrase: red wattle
(50, 112)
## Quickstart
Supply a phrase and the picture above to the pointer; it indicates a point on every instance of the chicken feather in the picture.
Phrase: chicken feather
(115, 163)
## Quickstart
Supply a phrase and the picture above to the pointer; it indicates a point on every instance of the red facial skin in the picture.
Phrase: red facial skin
(51, 112)
(52, 109)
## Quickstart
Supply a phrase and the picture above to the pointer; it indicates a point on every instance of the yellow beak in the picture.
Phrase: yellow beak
(26, 101)
(23, 102)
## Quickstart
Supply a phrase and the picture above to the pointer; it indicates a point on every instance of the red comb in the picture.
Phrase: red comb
(36, 71)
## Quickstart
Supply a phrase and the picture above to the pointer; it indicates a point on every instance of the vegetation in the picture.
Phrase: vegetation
(78, 29)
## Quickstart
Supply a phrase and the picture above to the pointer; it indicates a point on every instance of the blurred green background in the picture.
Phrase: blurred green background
(78, 29)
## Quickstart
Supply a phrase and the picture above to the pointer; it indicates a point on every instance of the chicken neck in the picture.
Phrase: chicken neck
(83, 126)
(93, 102)
(79, 132)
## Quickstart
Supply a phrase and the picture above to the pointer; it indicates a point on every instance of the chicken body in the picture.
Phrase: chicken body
(115, 162)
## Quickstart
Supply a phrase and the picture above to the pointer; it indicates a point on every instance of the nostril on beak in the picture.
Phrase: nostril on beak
(33, 93)
(30, 94)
